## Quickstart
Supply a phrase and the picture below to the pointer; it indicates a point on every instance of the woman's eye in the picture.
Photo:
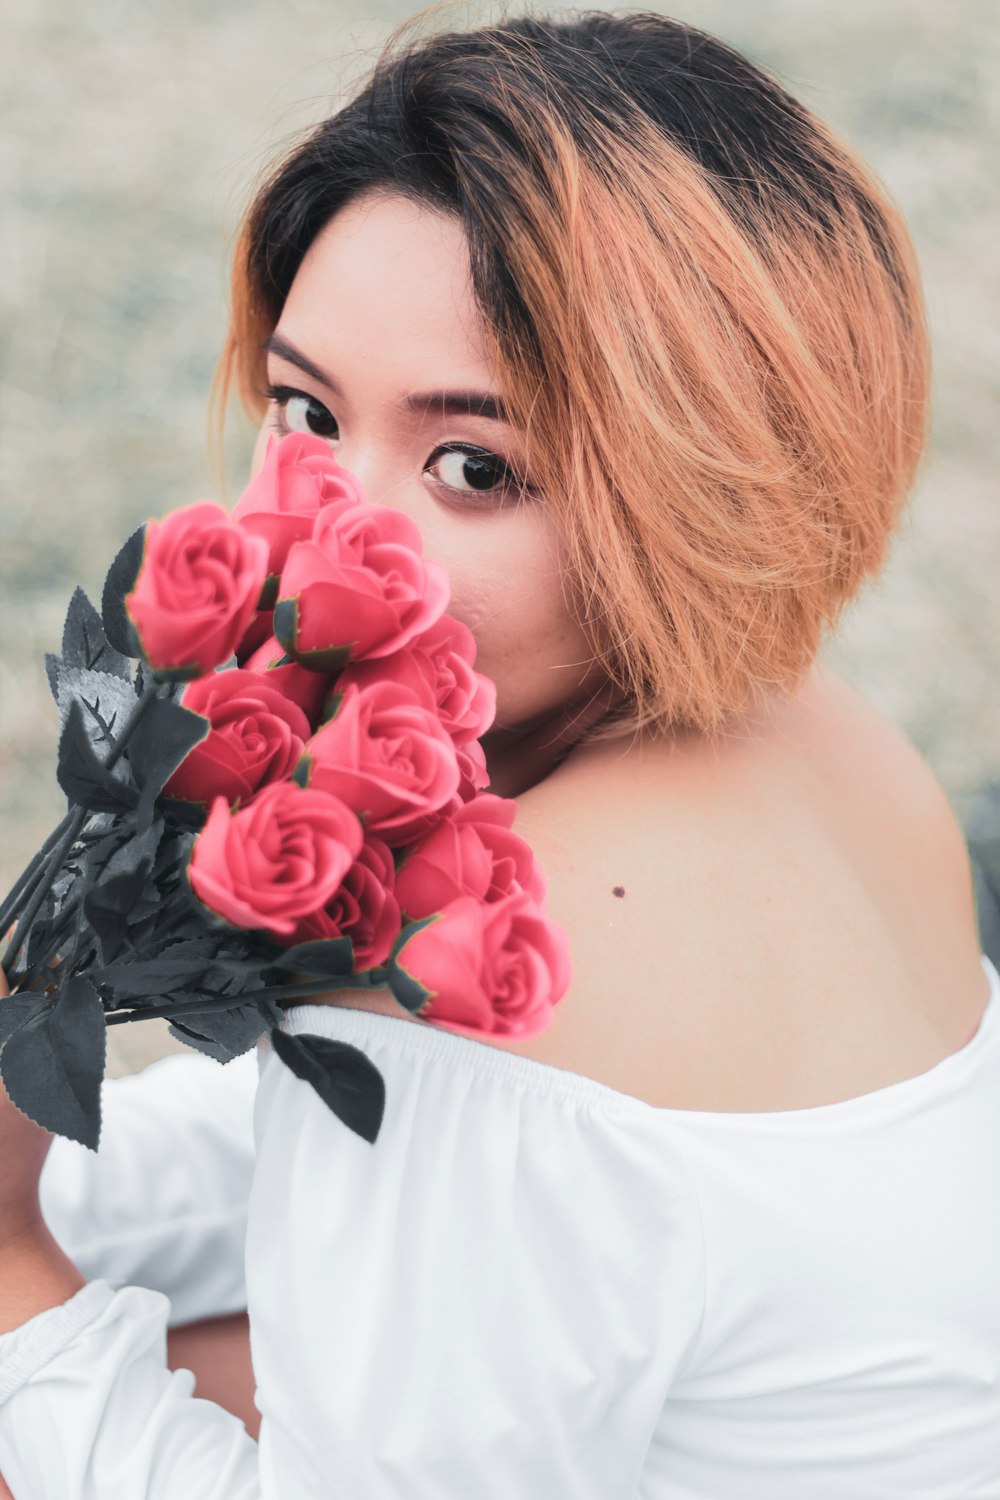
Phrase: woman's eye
(469, 470)
(295, 407)
(465, 468)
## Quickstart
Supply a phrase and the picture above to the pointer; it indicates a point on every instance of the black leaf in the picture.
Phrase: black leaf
(165, 734)
(107, 907)
(328, 958)
(228, 975)
(85, 644)
(107, 702)
(53, 1064)
(120, 580)
(16, 1009)
(225, 1034)
(185, 1032)
(82, 774)
(184, 814)
(343, 1077)
(172, 970)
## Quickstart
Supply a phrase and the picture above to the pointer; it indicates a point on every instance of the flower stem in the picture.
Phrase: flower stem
(26, 883)
(275, 992)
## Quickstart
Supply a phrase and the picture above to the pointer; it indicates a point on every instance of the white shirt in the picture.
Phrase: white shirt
(531, 1287)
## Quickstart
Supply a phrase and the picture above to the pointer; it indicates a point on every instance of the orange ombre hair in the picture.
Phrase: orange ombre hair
(705, 315)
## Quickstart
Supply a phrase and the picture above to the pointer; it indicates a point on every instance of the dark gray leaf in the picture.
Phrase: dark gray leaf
(345, 1079)
(82, 774)
(53, 1064)
(186, 1033)
(107, 907)
(331, 958)
(166, 732)
(146, 977)
(107, 702)
(120, 580)
(17, 1008)
(84, 642)
(225, 1034)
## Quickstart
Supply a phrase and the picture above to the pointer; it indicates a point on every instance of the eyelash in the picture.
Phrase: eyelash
(280, 395)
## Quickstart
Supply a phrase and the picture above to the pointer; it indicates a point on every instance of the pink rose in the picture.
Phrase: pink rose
(492, 968)
(307, 689)
(364, 908)
(196, 591)
(298, 477)
(386, 755)
(472, 852)
(275, 861)
(257, 736)
(438, 664)
(358, 587)
(473, 778)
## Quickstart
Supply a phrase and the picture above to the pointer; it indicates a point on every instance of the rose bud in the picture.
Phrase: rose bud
(386, 755)
(259, 631)
(307, 689)
(358, 587)
(472, 852)
(492, 968)
(298, 477)
(196, 591)
(274, 862)
(438, 664)
(474, 777)
(256, 736)
(364, 908)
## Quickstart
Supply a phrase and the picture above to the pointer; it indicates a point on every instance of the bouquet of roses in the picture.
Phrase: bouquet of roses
(285, 795)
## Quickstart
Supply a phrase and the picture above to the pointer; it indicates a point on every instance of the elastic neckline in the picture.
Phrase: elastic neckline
(436, 1042)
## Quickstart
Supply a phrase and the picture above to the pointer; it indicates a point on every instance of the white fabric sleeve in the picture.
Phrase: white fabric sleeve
(163, 1201)
(90, 1411)
(492, 1300)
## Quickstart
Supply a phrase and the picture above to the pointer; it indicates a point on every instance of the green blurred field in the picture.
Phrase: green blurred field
(130, 136)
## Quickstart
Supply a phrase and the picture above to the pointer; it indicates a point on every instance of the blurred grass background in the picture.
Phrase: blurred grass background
(131, 134)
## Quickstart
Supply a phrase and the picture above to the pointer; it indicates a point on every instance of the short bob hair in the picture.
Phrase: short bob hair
(705, 312)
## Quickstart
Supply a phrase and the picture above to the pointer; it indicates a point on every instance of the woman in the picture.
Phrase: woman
(729, 1226)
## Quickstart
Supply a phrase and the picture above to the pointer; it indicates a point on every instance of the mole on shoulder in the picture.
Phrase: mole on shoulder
(617, 890)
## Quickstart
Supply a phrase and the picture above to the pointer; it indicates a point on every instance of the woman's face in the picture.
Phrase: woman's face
(381, 312)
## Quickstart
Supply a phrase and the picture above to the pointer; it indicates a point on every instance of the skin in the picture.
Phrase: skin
(383, 304)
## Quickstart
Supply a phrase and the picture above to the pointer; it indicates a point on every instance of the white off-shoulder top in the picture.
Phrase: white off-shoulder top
(530, 1287)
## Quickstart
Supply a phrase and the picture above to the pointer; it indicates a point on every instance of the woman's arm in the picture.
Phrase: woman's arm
(35, 1273)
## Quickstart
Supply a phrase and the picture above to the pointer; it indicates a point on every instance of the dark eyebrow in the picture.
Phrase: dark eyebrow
(449, 403)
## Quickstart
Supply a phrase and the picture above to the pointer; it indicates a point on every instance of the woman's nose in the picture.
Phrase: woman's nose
(381, 481)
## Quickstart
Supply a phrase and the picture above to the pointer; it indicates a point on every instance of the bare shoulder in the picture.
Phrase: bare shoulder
(783, 921)
(830, 763)
(740, 919)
